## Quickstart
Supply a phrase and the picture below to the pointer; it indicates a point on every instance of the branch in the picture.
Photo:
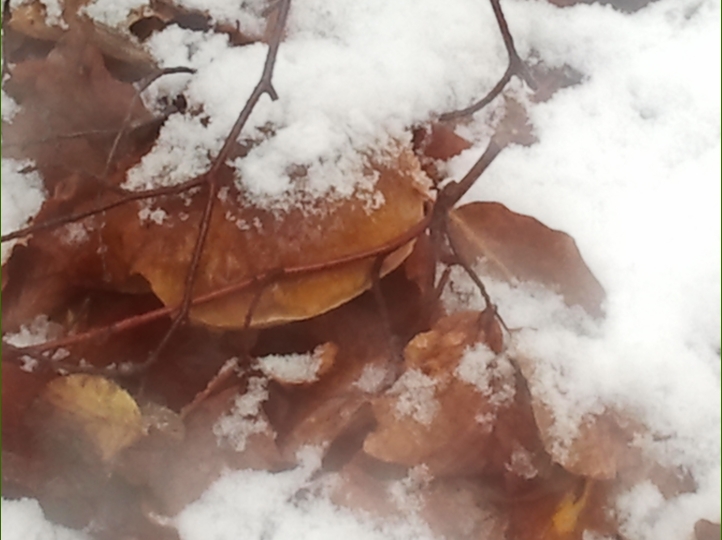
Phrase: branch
(261, 280)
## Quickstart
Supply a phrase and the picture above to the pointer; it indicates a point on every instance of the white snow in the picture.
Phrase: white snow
(255, 505)
(415, 396)
(353, 76)
(24, 520)
(491, 375)
(9, 107)
(245, 417)
(112, 13)
(628, 163)
(22, 196)
(291, 368)
(371, 378)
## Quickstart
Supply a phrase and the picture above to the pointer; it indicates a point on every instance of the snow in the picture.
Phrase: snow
(9, 107)
(246, 504)
(344, 74)
(292, 368)
(245, 417)
(628, 163)
(371, 378)
(24, 520)
(492, 376)
(22, 196)
(415, 393)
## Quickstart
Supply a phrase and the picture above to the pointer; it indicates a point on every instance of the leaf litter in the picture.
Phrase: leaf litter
(485, 428)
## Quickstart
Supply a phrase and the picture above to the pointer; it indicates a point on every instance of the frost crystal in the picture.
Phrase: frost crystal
(244, 418)
(492, 375)
(415, 393)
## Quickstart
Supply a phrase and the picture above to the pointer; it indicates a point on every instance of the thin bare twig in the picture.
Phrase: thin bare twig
(125, 199)
(144, 84)
(516, 67)
(264, 86)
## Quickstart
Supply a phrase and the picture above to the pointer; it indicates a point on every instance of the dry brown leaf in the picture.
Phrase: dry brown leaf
(457, 508)
(439, 141)
(602, 446)
(433, 417)
(31, 19)
(461, 509)
(332, 411)
(514, 247)
(584, 506)
(177, 464)
(105, 417)
(706, 530)
(19, 389)
(71, 110)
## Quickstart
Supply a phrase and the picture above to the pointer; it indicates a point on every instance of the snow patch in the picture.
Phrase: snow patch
(415, 396)
(291, 368)
(22, 196)
(23, 519)
(245, 418)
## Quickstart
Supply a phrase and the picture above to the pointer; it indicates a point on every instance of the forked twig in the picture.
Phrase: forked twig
(516, 67)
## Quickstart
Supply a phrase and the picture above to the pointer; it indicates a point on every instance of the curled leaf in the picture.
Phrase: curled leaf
(515, 247)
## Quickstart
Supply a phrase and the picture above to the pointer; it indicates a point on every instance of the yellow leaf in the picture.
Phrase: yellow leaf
(567, 514)
(98, 408)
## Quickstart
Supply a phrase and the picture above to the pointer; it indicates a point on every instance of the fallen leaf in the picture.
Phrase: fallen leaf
(105, 416)
(440, 412)
(71, 109)
(221, 433)
(706, 530)
(32, 18)
(439, 141)
(515, 247)
(584, 506)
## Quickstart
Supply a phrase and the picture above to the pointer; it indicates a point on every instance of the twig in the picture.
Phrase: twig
(264, 279)
(144, 84)
(264, 86)
(125, 199)
(516, 67)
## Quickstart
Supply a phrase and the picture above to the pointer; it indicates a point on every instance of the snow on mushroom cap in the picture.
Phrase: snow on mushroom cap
(342, 96)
